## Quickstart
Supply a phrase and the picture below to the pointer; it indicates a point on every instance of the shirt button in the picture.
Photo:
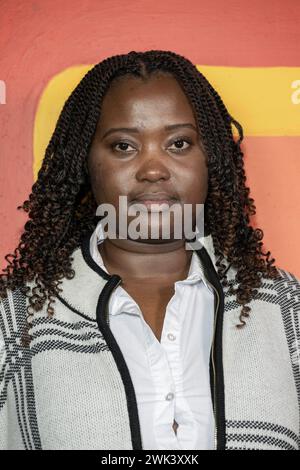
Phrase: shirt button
(170, 396)
(171, 337)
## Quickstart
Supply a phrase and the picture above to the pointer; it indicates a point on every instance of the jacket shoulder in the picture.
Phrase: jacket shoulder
(12, 309)
(287, 285)
(286, 288)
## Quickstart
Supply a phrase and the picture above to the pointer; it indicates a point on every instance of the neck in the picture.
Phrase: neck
(137, 260)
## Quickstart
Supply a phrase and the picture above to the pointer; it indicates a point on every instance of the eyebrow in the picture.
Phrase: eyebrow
(136, 130)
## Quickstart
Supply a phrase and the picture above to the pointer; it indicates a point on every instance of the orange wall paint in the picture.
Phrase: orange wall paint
(38, 39)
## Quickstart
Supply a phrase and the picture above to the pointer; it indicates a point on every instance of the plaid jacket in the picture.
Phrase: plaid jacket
(69, 387)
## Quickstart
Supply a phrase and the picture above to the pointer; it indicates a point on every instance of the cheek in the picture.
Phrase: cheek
(100, 179)
(96, 180)
(195, 184)
(108, 182)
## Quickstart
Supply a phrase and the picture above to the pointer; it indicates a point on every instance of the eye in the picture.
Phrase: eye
(180, 140)
(121, 143)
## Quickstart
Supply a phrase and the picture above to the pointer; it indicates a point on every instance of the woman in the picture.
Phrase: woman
(140, 343)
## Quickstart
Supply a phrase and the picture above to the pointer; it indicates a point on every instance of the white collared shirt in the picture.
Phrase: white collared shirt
(170, 376)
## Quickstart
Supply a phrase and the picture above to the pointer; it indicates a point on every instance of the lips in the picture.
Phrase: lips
(154, 197)
(157, 198)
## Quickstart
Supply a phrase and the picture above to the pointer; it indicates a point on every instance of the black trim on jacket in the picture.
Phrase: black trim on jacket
(112, 281)
(212, 276)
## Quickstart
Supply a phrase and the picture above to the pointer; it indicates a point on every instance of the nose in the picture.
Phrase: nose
(152, 169)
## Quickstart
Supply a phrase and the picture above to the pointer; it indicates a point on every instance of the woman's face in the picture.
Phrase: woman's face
(144, 156)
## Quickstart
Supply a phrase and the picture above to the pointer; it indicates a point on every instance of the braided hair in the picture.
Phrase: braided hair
(62, 208)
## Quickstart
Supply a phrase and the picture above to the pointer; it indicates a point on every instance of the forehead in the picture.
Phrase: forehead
(158, 99)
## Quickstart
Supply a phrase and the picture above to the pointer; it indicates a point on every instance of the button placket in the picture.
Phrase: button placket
(171, 337)
(170, 396)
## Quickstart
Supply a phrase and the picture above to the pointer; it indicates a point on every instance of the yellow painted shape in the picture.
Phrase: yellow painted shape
(265, 100)
(49, 107)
